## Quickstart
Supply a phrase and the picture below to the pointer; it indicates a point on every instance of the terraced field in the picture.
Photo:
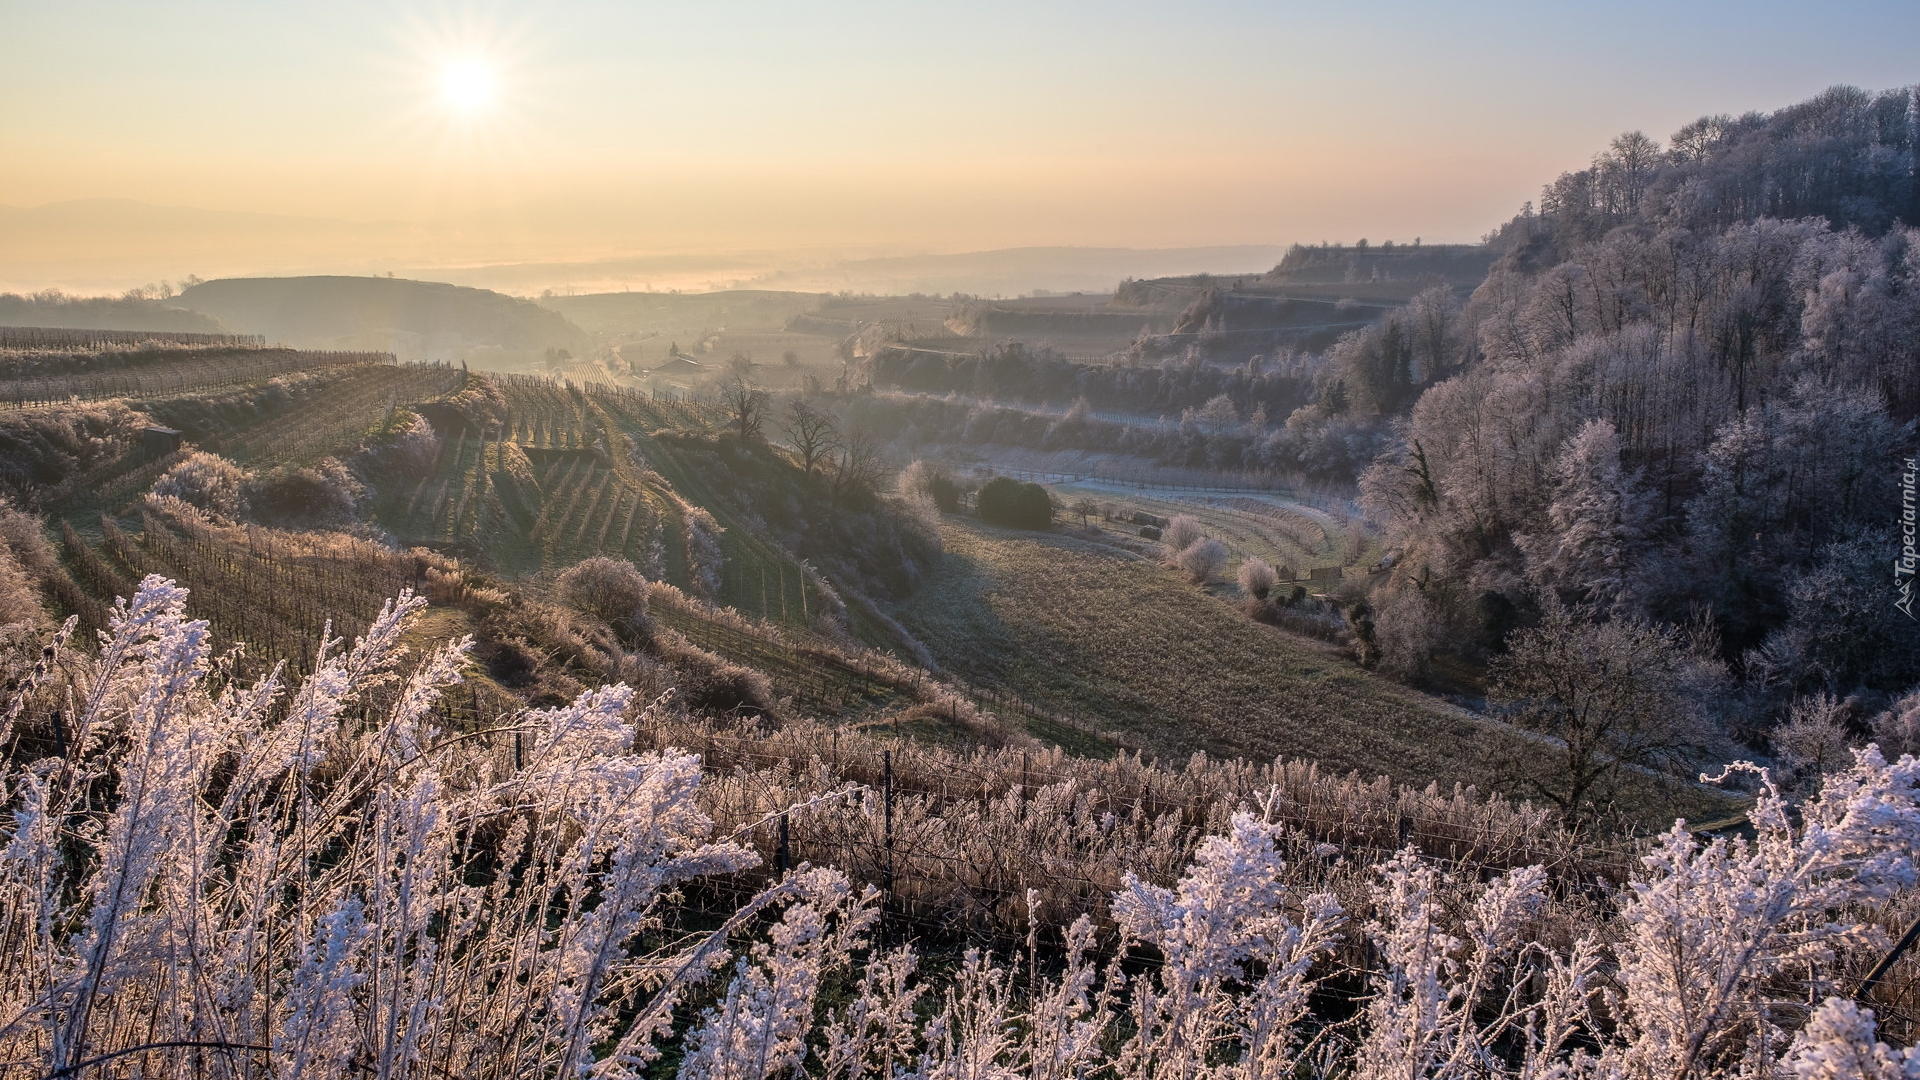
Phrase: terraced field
(571, 472)
(347, 410)
(1289, 535)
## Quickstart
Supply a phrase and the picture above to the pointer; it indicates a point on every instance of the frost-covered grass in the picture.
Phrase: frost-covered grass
(222, 879)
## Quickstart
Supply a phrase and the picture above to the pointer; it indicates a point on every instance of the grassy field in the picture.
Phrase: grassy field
(1091, 630)
(1123, 646)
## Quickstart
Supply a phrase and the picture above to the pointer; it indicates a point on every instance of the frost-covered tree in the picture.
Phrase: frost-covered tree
(1897, 730)
(610, 589)
(1597, 523)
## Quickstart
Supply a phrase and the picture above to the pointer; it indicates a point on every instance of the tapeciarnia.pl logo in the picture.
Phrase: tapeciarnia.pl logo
(1903, 567)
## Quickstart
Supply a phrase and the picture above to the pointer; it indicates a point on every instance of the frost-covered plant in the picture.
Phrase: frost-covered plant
(1256, 577)
(759, 1029)
(1712, 923)
(1180, 531)
(1839, 1043)
(1898, 729)
(1812, 741)
(320, 879)
(19, 600)
(225, 865)
(1404, 632)
(412, 448)
(1224, 925)
(1202, 559)
(607, 588)
(1444, 1004)
(207, 481)
(326, 494)
(704, 557)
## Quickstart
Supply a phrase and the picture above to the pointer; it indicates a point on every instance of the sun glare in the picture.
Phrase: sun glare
(468, 85)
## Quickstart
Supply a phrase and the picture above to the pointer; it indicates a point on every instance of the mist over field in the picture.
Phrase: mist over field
(870, 541)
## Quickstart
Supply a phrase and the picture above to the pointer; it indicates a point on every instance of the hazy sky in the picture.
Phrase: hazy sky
(625, 127)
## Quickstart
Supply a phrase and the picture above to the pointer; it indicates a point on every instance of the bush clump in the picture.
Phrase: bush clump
(321, 496)
(928, 481)
(611, 590)
(207, 481)
(1006, 501)
(1202, 559)
(1257, 577)
(1180, 532)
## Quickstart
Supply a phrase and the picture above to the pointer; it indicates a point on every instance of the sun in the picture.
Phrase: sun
(468, 86)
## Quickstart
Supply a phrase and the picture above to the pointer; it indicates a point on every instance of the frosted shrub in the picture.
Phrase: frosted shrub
(1711, 924)
(318, 880)
(323, 495)
(1444, 1004)
(1181, 531)
(1224, 925)
(609, 589)
(1202, 559)
(926, 481)
(412, 448)
(207, 481)
(1838, 1043)
(1256, 577)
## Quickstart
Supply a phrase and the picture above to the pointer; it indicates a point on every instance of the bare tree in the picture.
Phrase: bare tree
(1608, 694)
(812, 430)
(1630, 164)
(857, 466)
(746, 405)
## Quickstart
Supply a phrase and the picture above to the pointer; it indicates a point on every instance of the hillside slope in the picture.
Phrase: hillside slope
(414, 320)
(103, 313)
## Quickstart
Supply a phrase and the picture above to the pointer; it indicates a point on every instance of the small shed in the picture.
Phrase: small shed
(1323, 574)
(157, 441)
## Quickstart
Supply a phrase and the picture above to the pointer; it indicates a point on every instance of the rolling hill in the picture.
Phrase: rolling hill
(414, 320)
